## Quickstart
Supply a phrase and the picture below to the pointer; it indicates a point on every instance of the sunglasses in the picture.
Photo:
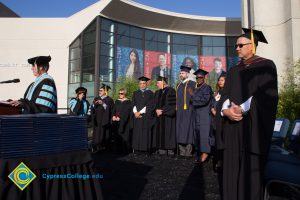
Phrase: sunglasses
(240, 45)
(121, 93)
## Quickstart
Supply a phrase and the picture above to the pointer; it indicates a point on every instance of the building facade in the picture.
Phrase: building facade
(109, 40)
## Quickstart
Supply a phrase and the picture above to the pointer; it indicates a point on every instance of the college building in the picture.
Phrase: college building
(113, 38)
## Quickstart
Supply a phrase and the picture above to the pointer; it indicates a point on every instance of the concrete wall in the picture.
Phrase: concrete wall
(280, 22)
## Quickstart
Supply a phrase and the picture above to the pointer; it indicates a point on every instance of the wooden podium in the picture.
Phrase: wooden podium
(7, 109)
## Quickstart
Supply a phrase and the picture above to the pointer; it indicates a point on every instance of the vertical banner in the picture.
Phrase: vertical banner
(183, 59)
(157, 64)
(215, 65)
(129, 62)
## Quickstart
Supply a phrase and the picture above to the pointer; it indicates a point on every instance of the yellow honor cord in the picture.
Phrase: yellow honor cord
(252, 42)
(177, 95)
(184, 96)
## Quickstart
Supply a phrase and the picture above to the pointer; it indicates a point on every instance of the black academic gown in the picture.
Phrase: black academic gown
(122, 136)
(246, 143)
(142, 127)
(40, 96)
(101, 120)
(184, 117)
(164, 136)
(201, 101)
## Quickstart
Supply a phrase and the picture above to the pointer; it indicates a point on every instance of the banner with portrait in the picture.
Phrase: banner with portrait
(157, 64)
(129, 62)
(183, 59)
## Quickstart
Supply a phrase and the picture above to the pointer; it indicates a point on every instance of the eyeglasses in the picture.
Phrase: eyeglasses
(199, 77)
(240, 45)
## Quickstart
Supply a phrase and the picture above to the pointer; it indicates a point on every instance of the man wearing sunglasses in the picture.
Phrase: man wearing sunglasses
(248, 111)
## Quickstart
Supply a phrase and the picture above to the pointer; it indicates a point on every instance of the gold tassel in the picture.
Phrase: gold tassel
(252, 42)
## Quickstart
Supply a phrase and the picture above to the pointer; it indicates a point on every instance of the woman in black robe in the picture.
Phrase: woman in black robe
(120, 121)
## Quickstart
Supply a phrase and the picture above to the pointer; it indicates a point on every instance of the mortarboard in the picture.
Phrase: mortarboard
(200, 72)
(255, 36)
(161, 78)
(39, 60)
(185, 68)
(105, 87)
(81, 90)
(143, 78)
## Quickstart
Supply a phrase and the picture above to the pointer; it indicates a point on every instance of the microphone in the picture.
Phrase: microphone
(16, 80)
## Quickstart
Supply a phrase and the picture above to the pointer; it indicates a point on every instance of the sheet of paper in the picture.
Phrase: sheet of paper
(277, 126)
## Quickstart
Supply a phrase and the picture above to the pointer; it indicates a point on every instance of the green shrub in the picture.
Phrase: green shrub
(289, 93)
(130, 85)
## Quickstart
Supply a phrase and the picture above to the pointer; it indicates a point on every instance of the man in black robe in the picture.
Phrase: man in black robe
(201, 101)
(143, 107)
(41, 95)
(184, 114)
(249, 105)
(165, 114)
(101, 114)
(79, 105)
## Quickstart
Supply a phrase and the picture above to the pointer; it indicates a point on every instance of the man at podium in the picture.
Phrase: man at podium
(40, 96)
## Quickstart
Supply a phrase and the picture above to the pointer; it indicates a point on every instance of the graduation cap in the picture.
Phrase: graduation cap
(161, 78)
(105, 87)
(200, 72)
(143, 78)
(184, 68)
(255, 36)
(39, 60)
(81, 90)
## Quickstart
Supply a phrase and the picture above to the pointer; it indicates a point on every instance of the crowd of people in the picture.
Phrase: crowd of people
(189, 119)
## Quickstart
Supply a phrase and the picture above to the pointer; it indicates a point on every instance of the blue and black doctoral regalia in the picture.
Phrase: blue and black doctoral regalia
(79, 107)
(184, 114)
(101, 119)
(142, 127)
(201, 101)
(40, 96)
(165, 126)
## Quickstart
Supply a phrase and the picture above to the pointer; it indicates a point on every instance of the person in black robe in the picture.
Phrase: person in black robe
(249, 104)
(184, 114)
(165, 113)
(143, 107)
(101, 114)
(78, 105)
(41, 95)
(201, 99)
(120, 121)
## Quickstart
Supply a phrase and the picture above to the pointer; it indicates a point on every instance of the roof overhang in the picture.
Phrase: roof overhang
(133, 13)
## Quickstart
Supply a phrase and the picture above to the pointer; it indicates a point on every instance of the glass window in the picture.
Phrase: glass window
(207, 41)
(107, 37)
(89, 50)
(107, 25)
(150, 35)
(88, 61)
(207, 51)
(91, 27)
(178, 39)
(178, 49)
(90, 89)
(163, 47)
(106, 50)
(219, 41)
(231, 41)
(89, 37)
(163, 37)
(185, 39)
(76, 43)
(106, 75)
(136, 32)
(75, 65)
(219, 51)
(74, 53)
(71, 90)
(191, 50)
(106, 62)
(136, 43)
(74, 77)
(123, 29)
(123, 41)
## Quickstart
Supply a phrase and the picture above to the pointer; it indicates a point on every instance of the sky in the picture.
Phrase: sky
(65, 8)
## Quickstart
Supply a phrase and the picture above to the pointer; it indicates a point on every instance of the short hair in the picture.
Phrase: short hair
(44, 66)
(217, 59)
(123, 90)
